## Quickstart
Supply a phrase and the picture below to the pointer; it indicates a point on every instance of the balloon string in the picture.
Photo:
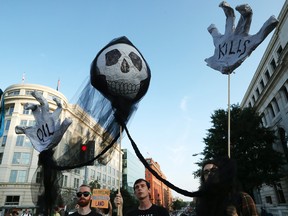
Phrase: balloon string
(119, 175)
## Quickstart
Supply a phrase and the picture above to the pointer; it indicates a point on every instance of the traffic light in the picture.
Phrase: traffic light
(87, 151)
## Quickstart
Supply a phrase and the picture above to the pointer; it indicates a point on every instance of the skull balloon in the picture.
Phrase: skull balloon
(119, 70)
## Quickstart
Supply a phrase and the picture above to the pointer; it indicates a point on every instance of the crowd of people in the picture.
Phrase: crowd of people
(219, 194)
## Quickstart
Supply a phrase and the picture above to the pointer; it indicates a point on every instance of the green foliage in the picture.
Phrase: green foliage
(250, 143)
(178, 204)
(94, 185)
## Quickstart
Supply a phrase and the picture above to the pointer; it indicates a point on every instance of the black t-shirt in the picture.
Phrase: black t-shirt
(92, 213)
(154, 210)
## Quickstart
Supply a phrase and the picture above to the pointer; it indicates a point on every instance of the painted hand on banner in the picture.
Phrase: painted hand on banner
(232, 48)
(48, 130)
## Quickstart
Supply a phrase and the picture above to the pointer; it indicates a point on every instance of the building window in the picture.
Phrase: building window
(270, 107)
(257, 92)
(7, 125)
(98, 176)
(253, 99)
(9, 110)
(267, 75)
(262, 84)
(274, 101)
(29, 92)
(109, 180)
(18, 176)
(285, 93)
(21, 158)
(76, 182)
(279, 192)
(4, 140)
(26, 111)
(23, 123)
(1, 157)
(279, 51)
(273, 64)
(12, 200)
(65, 180)
(93, 174)
(23, 141)
(13, 93)
(264, 121)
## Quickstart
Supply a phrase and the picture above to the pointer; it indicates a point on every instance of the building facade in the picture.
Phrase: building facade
(268, 94)
(160, 193)
(19, 160)
(132, 170)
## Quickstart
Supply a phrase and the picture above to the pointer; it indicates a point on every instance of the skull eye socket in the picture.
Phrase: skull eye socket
(136, 60)
(112, 57)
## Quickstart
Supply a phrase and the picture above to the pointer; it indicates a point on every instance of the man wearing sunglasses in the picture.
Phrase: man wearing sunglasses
(84, 197)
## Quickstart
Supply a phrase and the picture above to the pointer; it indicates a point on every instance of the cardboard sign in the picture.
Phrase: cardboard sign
(100, 198)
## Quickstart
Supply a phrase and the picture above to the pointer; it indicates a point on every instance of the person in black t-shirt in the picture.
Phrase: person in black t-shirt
(84, 197)
(145, 208)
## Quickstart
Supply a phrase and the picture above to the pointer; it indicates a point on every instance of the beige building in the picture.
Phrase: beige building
(268, 93)
(18, 158)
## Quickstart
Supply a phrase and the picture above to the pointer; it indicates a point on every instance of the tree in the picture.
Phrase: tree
(178, 204)
(94, 185)
(251, 146)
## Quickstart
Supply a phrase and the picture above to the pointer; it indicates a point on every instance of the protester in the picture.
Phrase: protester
(84, 197)
(146, 207)
(219, 191)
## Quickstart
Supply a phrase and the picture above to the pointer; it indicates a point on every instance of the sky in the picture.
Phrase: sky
(49, 40)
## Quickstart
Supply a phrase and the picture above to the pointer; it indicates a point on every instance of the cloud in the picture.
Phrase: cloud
(184, 103)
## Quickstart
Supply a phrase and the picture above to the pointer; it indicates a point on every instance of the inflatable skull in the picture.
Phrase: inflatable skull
(119, 70)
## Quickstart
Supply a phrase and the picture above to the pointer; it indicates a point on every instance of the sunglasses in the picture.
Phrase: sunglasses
(85, 194)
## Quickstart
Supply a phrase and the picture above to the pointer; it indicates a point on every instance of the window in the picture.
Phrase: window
(65, 180)
(76, 182)
(270, 107)
(253, 99)
(264, 121)
(18, 176)
(274, 101)
(267, 75)
(13, 93)
(99, 176)
(12, 200)
(31, 123)
(273, 64)
(4, 139)
(93, 174)
(23, 123)
(29, 92)
(9, 110)
(109, 180)
(285, 93)
(7, 125)
(23, 141)
(1, 157)
(257, 92)
(279, 51)
(21, 158)
(77, 170)
(262, 84)
(279, 192)
(26, 111)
